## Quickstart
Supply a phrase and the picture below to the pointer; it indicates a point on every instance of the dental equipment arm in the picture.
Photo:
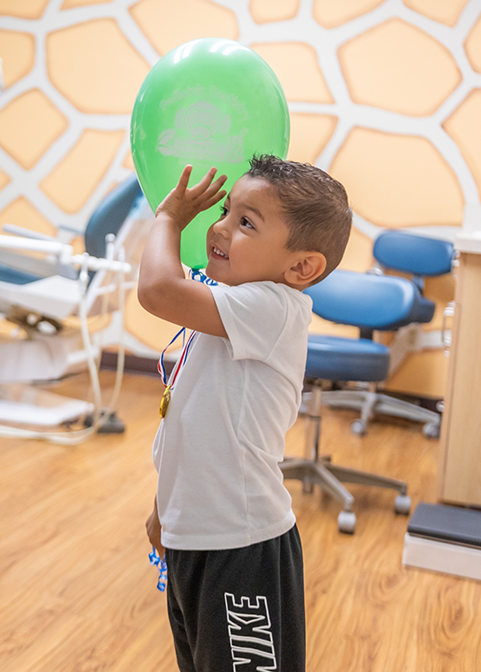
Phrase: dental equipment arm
(65, 254)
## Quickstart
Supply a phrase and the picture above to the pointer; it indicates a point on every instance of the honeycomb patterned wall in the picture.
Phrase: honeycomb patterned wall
(385, 95)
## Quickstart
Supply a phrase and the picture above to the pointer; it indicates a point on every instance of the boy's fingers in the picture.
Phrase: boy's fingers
(204, 183)
(184, 179)
(214, 199)
(219, 182)
(215, 186)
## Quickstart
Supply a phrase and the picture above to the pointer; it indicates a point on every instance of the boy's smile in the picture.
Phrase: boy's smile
(248, 242)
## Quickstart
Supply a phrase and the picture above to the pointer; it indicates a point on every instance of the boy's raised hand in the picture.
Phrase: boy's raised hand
(163, 288)
(183, 204)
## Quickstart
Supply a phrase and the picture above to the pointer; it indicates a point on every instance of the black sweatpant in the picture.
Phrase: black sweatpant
(239, 609)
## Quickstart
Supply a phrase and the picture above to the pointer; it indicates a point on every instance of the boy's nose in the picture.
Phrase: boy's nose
(222, 226)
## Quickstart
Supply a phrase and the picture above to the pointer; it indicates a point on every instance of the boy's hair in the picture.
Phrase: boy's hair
(317, 210)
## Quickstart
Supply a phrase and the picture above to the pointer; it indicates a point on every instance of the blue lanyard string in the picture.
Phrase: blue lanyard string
(160, 563)
(160, 365)
(198, 276)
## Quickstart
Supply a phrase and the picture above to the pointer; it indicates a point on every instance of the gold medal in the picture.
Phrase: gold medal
(164, 402)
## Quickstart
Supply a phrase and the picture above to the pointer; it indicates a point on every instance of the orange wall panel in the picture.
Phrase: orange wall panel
(465, 128)
(397, 67)
(331, 14)
(22, 213)
(444, 11)
(265, 11)
(75, 178)
(289, 60)
(23, 9)
(29, 125)
(169, 24)
(305, 128)
(92, 77)
(397, 180)
(17, 50)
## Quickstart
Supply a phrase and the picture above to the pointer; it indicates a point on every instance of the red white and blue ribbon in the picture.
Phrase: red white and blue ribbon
(198, 276)
(180, 362)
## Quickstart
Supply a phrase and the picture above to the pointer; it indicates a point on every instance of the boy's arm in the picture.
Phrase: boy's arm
(163, 289)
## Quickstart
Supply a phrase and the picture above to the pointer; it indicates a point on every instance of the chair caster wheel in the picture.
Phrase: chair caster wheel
(402, 504)
(307, 487)
(346, 522)
(432, 430)
(358, 427)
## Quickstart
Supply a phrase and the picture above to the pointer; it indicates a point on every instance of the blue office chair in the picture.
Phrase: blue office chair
(421, 257)
(369, 302)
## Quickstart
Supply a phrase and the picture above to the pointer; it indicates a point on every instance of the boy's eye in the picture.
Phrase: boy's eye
(246, 224)
(224, 211)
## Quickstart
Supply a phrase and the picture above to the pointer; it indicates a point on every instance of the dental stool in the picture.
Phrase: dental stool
(421, 257)
(368, 302)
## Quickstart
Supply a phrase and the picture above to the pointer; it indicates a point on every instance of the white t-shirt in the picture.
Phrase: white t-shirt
(219, 448)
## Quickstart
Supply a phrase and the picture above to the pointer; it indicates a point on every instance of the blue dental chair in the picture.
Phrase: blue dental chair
(420, 257)
(40, 293)
(371, 303)
(106, 219)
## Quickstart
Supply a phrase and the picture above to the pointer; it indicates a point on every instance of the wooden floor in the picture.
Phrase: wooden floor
(77, 593)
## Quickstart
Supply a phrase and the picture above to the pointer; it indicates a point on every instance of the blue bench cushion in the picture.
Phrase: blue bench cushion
(337, 358)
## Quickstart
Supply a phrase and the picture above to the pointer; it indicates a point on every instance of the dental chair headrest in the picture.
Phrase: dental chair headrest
(109, 216)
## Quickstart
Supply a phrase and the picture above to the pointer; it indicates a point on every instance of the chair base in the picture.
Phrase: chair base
(329, 478)
(316, 469)
(371, 403)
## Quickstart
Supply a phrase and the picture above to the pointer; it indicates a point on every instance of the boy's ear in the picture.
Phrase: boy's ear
(310, 267)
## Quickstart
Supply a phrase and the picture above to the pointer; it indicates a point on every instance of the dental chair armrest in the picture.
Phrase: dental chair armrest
(71, 229)
(49, 246)
(22, 262)
(26, 233)
(65, 233)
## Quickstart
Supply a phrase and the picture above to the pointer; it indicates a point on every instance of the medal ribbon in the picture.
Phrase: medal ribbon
(160, 364)
(180, 362)
(197, 275)
(169, 385)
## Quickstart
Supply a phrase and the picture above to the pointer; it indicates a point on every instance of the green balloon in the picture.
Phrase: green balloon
(209, 102)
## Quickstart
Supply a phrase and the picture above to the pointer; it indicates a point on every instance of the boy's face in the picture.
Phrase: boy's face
(248, 242)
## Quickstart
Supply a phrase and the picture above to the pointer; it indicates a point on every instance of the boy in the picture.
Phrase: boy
(235, 591)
